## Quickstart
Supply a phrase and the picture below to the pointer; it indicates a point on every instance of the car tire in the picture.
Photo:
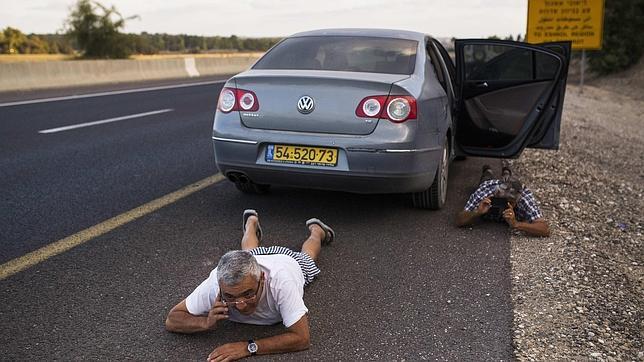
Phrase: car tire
(252, 188)
(435, 196)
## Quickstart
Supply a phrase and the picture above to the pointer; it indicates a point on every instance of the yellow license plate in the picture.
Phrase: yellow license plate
(302, 155)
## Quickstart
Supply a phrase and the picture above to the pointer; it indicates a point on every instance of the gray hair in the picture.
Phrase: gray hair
(235, 265)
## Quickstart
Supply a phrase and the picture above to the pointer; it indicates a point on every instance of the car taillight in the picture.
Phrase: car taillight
(234, 99)
(401, 108)
(227, 100)
(394, 108)
(371, 107)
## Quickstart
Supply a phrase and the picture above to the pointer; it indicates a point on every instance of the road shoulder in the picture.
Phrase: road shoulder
(578, 294)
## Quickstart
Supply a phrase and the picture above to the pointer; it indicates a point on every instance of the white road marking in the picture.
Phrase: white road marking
(102, 94)
(109, 120)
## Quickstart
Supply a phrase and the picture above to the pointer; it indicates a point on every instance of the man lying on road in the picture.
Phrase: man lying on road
(504, 199)
(255, 285)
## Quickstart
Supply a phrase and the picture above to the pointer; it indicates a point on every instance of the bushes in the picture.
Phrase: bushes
(13, 41)
(623, 43)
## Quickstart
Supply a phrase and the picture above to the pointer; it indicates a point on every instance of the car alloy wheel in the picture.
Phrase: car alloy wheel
(435, 196)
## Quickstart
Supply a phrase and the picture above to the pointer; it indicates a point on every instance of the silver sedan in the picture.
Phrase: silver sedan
(380, 111)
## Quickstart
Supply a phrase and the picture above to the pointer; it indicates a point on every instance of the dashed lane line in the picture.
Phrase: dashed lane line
(103, 121)
(109, 93)
(37, 256)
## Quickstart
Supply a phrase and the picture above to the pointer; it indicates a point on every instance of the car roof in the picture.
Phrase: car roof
(381, 33)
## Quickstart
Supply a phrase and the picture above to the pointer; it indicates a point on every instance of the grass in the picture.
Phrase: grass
(17, 58)
(200, 55)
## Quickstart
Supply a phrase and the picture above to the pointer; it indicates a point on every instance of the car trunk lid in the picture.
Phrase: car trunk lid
(335, 97)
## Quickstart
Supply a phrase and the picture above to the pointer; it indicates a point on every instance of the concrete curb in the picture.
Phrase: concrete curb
(41, 75)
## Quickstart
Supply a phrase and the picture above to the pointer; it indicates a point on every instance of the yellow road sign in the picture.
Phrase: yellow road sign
(580, 21)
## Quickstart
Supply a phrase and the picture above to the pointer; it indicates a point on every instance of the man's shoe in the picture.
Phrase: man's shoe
(506, 173)
(329, 234)
(248, 213)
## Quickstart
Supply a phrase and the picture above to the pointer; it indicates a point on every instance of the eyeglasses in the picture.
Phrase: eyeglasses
(242, 300)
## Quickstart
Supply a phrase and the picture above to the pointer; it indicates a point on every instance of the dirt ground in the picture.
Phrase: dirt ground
(578, 294)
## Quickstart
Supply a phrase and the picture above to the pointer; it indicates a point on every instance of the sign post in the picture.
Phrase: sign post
(579, 21)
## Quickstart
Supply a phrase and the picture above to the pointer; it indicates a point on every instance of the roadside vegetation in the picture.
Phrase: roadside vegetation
(93, 31)
(623, 43)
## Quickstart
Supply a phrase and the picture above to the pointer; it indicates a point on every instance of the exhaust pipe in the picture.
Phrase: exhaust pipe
(243, 179)
(238, 177)
(233, 177)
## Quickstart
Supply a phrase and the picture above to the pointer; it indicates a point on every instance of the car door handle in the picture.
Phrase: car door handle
(481, 84)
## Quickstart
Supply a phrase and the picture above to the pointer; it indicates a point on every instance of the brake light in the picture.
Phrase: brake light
(234, 99)
(397, 109)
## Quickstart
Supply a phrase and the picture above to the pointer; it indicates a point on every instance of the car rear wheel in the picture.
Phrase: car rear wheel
(435, 196)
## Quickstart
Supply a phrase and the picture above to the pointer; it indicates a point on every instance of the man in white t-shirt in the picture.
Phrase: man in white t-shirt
(255, 285)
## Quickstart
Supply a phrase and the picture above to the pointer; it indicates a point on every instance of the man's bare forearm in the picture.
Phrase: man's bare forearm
(286, 342)
(537, 228)
(466, 218)
(184, 322)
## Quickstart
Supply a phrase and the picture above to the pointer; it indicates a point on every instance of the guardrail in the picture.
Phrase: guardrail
(54, 74)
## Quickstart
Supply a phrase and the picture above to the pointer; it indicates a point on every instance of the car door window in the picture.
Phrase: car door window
(546, 67)
(507, 91)
(447, 59)
(436, 64)
(485, 62)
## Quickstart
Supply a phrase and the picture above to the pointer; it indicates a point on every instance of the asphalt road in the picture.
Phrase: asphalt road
(399, 283)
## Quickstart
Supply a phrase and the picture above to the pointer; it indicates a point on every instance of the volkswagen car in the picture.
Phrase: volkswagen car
(384, 111)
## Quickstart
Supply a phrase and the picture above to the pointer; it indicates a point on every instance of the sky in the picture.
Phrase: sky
(277, 18)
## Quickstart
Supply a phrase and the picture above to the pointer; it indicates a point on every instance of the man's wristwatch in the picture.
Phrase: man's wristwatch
(252, 347)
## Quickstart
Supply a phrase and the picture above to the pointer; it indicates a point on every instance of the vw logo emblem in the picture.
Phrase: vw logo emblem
(305, 105)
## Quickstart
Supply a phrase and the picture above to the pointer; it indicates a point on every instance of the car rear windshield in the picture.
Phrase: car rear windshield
(342, 53)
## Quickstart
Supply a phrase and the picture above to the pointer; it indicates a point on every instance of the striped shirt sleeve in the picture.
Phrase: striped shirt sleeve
(527, 207)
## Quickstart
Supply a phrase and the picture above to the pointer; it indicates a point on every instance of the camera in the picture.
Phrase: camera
(499, 204)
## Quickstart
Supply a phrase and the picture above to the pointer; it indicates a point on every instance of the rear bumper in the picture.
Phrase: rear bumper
(359, 170)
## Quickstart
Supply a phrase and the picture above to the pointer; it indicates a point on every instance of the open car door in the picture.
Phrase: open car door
(510, 96)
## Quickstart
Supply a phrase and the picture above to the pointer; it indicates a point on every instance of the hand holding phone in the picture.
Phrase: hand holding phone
(218, 312)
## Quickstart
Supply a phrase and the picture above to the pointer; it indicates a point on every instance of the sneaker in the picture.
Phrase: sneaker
(329, 234)
(486, 174)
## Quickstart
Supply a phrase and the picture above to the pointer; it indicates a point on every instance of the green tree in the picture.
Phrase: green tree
(12, 41)
(95, 29)
(58, 43)
(623, 42)
(34, 45)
